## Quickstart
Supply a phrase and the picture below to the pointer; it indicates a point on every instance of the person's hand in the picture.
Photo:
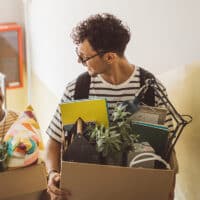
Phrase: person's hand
(53, 188)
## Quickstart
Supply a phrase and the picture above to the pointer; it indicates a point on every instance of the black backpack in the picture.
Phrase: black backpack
(83, 86)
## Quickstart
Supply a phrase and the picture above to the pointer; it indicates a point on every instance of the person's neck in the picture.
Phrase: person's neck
(119, 72)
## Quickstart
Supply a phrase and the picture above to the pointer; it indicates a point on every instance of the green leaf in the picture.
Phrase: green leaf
(119, 137)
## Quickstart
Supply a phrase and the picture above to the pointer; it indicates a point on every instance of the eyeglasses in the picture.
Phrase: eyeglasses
(84, 60)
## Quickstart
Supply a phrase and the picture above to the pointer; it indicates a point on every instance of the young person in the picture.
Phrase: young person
(101, 41)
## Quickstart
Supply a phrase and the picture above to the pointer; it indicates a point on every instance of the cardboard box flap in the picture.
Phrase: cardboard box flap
(90, 181)
(22, 181)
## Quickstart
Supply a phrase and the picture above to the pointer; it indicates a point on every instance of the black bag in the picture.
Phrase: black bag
(79, 148)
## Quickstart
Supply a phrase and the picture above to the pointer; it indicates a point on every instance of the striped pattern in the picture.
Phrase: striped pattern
(8, 120)
(99, 88)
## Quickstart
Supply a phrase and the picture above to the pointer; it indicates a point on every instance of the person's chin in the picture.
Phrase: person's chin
(92, 74)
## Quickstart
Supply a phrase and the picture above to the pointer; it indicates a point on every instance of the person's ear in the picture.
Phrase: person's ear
(110, 57)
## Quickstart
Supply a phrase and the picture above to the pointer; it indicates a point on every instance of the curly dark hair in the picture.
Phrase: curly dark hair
(104, 32)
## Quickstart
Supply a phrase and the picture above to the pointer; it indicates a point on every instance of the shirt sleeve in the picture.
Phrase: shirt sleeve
(55, 129)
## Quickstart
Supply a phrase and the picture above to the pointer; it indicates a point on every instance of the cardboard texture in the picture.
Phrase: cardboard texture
(23, 183)
(91, 181)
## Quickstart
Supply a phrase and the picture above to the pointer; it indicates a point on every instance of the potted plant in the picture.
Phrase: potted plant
(114, 142)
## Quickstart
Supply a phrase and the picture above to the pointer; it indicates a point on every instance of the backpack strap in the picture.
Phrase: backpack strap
(82, 86)
(149, 96)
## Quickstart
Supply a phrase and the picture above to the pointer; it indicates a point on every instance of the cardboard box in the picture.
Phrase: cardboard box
(23, 183)
(103, 182)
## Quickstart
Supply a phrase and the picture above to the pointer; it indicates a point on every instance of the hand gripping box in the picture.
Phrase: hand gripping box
(23, 183)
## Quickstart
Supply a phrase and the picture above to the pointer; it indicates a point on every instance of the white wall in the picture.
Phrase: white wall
(11, 11)
(165, 35)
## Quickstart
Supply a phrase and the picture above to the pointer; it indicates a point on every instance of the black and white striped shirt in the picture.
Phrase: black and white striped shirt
(99, 88)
